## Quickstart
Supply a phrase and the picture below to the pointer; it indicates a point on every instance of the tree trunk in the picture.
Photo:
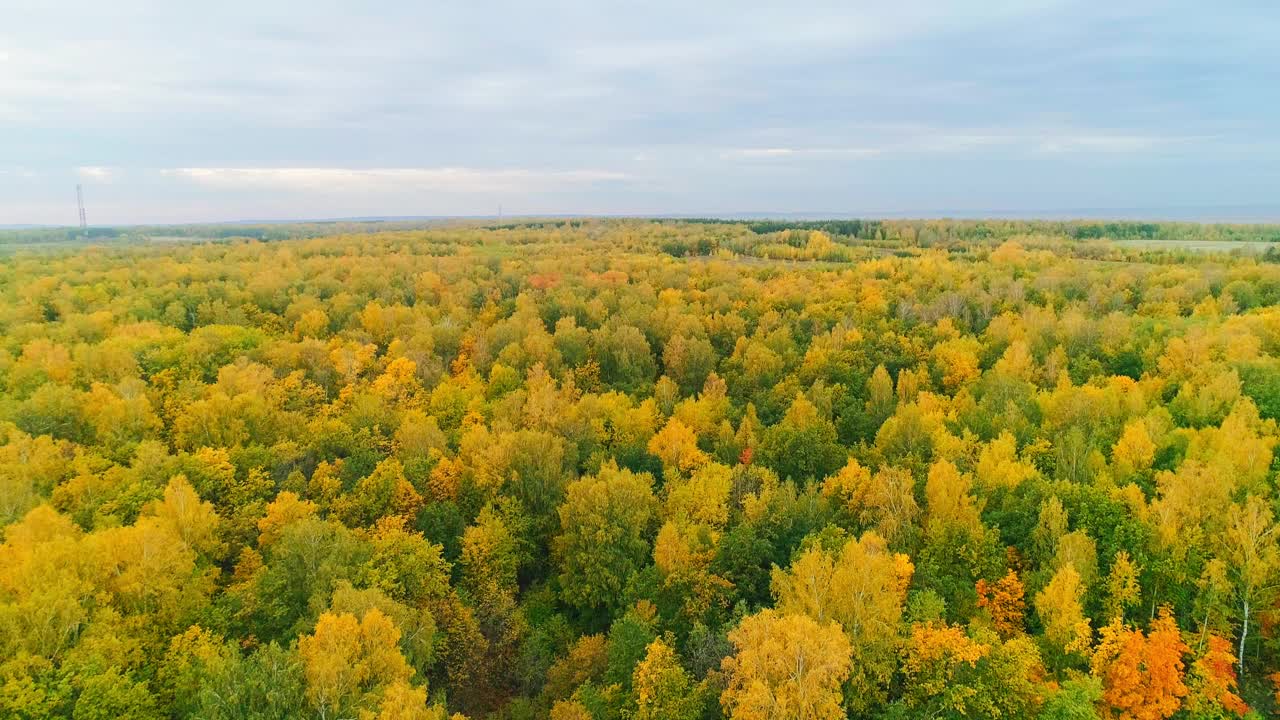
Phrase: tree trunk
(1244, 632)
(1204, 631)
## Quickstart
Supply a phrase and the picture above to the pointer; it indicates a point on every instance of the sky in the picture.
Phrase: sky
(269, 110)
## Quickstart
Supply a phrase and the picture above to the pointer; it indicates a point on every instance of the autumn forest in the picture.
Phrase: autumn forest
(644, 470)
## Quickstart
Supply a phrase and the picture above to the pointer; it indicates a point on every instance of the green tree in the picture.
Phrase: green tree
(803, 445)
(604, 536)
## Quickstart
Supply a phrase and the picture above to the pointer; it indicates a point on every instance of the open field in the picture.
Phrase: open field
(1243, 246)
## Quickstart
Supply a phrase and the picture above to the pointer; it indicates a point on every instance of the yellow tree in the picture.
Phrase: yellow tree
(849, 486)
(935, 657)
(1134, 451)
(44, 593)
(785, 666)
(1065, 626)
(1252, 553)
(697, 510)
(570, 710)
(880, 397)
(957, 360)
(1050, 527)
(676, 445)
(384, 492)
(194, 521)
(587, 659)
(999, 466)
(663, 690)
(405, 565)
(948, 499)
(145, 569)
(1076, 548)
(285, 509)
(402, 701)
(1123, 590)
(489, 560)
(702, 499)
(120, 415)
(885, 500)
(348, 662)
(863, 588)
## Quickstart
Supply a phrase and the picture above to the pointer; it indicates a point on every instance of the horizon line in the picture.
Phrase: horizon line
(1194, 214)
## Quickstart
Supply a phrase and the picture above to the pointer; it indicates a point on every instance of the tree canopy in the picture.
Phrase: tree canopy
(617, 469)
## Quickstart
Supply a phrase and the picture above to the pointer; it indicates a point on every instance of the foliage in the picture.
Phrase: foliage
(625, 469)
(785, 666)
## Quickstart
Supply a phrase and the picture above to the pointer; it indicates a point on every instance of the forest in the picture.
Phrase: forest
(628, 469)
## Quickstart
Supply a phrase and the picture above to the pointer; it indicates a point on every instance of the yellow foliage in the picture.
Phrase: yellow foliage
(194, 521)
(285, 509)
(931, 643)
(1122, 590)
(862, 588)
(586, 659)
(1017, 362)
(947, 497)
(1134, 451)
(999, 466)
(402, 701)
(702, 498)
(1058, 606)
(676, 445)
(663, 690)
(570, 710)
(346, 658)
(958, 361)
(849, 486)
(785, 666)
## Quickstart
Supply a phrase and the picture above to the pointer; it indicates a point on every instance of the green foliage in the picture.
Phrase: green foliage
(803, 445)
(604, 539)
(1075, 700)
(111, 695)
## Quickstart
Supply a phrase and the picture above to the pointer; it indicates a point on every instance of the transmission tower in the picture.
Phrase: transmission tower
(84, 226)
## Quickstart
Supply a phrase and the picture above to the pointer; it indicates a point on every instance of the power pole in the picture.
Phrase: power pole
(84, 226)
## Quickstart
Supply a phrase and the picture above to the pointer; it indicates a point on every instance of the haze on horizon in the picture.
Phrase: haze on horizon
(171, 113)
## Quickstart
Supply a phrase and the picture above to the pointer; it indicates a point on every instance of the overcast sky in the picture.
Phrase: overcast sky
(183, 111)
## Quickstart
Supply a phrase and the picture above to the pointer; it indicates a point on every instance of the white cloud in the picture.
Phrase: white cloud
(95, 172)
(756, 153)
(890, 140)
(786, 152)
(442, 179)
(946, 142)
(1106, 143)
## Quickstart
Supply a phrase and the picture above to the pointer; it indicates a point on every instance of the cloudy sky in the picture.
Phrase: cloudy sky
(183, 111)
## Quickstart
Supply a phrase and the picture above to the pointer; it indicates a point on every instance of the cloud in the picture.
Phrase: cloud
(664, 106)
(754, 153)
(918, 140)
(94, 172)
(441, 179)
(952, 142)
(1107, 143)
(787, 152)
(18, 171)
